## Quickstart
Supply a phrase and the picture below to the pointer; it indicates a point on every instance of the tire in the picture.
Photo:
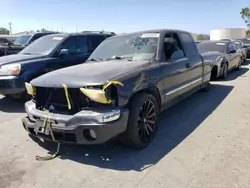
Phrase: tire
(225, 71)
(140, 133)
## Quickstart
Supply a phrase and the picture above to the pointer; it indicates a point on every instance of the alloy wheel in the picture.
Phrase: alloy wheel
(147, 121)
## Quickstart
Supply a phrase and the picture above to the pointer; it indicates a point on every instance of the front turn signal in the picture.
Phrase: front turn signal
(99, 95)
(31, 90)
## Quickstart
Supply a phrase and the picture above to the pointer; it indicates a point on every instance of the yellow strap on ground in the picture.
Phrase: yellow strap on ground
(49, 157)
(67, 95)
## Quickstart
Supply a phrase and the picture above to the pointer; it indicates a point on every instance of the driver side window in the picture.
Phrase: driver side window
(71, 45)
(172, 47)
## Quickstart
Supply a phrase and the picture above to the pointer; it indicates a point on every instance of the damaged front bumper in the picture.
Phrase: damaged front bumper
(85, 127)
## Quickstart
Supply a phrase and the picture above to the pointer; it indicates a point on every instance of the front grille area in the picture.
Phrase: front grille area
(54, 100)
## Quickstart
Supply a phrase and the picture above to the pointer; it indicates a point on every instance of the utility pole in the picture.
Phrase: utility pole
(76, 29)
(10, 28)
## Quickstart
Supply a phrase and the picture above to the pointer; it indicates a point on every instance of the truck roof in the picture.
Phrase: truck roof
(77, 34)
(154, 31)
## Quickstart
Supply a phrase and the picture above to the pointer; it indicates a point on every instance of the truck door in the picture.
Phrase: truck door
(175, 68)
(194, 76)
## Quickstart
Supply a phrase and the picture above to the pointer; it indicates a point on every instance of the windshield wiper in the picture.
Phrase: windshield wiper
(92, 59)
(120, 58)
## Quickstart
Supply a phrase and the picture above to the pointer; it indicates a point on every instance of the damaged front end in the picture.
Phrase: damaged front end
(91, 114)
(69, 101)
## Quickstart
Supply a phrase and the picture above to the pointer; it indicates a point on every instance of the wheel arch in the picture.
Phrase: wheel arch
(151, 89)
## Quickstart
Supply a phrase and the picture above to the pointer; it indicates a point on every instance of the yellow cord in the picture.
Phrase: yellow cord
(48, 123)
(67, 95)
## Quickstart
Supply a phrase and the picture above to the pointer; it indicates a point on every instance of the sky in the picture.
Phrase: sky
(198, 16)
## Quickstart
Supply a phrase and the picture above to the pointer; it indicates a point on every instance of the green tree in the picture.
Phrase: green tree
(245, 15)
(4, 31)
(200, 37)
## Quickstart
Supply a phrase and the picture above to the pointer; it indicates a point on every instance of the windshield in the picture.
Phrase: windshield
(212, 46)
(22, 40)
(42, 46)
(134, 47)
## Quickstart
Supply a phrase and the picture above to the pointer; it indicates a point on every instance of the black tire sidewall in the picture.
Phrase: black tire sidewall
(132, 134)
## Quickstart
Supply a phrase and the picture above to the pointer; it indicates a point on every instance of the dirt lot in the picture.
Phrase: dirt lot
(203, 141)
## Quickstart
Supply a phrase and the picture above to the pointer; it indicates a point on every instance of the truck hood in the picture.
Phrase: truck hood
(18, 58)
(91, 73)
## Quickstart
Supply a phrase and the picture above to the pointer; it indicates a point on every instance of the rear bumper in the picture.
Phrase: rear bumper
(10, 85)
(104, 123)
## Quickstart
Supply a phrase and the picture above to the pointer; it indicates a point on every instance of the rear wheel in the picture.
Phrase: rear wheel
(142, 122)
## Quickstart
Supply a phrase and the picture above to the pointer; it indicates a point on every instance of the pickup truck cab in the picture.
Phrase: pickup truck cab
(228, 57)
(21, 42)
(45, 54)
(120, 90)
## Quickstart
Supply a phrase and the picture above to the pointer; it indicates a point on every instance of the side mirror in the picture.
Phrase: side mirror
(244, 47)
(231, 51)
(63, 52)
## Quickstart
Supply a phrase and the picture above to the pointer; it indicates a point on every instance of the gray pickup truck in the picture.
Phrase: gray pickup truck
(120, 90)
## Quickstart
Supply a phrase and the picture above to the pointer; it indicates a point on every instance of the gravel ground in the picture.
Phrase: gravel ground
(202, 142)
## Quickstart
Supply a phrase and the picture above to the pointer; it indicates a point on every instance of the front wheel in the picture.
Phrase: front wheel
(142, 122)
(225, 70)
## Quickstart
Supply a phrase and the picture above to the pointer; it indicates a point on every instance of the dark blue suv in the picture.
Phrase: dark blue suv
(46, 54)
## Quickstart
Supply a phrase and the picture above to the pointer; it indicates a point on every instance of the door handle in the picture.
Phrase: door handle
(188, 65)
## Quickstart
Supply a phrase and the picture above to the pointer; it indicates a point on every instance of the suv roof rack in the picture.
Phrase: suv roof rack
(102, 32)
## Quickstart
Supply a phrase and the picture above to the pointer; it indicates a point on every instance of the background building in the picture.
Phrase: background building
(227, 33)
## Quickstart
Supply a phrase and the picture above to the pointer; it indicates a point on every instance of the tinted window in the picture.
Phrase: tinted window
(189, 45)
(172, 47)
(82, 44)
(212, 46)
(71, 45)
(36, 36)
(93, 42)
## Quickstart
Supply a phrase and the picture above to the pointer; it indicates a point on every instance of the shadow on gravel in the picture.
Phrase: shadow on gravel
(11, 105)
(247, 62)
(234, 74)
(176, 124)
